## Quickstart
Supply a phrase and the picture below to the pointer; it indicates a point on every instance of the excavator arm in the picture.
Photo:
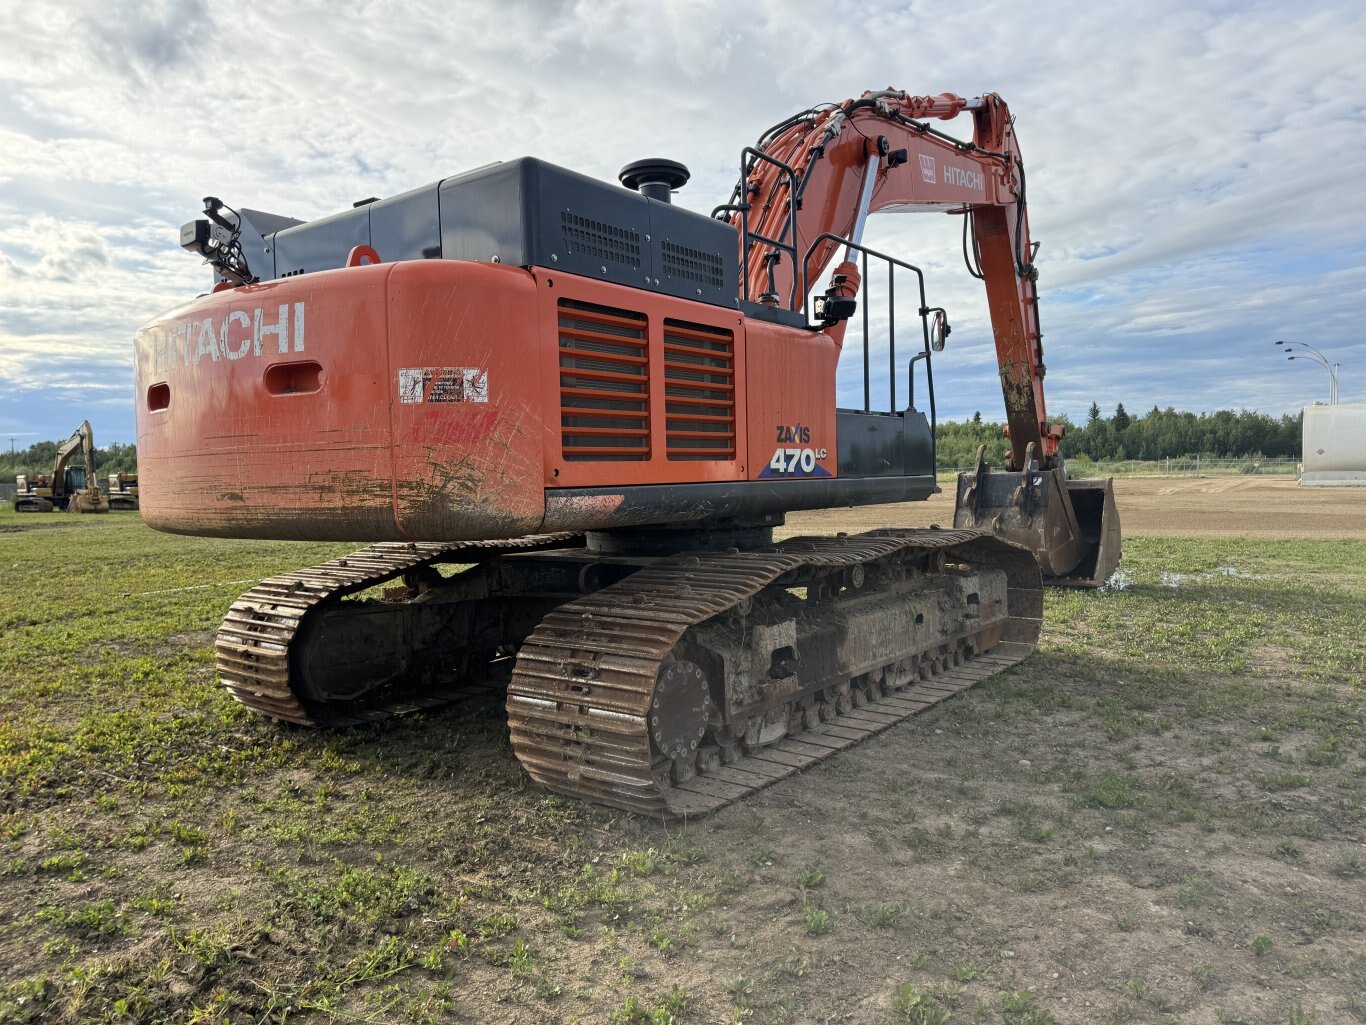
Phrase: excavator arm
(821, 173)
(80, 441)
(876, 153)
(89, 498)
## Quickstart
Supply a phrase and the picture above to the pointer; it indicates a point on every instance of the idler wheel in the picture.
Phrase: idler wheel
(680, 709)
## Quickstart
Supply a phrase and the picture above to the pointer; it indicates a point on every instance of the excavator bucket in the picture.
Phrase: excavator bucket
(91, 501)
(1093, 503)
(1071, 526)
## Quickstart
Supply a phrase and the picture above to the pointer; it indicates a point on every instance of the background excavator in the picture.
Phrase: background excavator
(123, 491)
(600, 405)
(68, 487)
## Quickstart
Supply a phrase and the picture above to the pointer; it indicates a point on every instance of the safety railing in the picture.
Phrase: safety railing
(865, 302)
(748, 238)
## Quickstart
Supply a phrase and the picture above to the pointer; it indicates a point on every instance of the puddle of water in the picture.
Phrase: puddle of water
(1176, 580)
(1120, 580)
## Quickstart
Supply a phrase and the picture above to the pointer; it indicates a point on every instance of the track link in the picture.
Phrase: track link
(580, 699)
(256, 639)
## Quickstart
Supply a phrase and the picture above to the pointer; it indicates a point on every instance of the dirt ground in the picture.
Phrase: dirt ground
(1261, 507)
(1158, 817)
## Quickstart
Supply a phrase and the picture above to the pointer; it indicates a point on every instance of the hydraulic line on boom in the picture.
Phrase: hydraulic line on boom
(817, 177)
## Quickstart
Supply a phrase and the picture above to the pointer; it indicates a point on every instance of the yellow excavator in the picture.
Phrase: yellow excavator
(123, 492)
(73, 488)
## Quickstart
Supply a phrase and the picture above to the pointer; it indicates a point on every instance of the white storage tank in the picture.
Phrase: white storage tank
(1334, 446)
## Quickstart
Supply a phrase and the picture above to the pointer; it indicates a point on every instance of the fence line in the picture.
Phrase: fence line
(1196, 466)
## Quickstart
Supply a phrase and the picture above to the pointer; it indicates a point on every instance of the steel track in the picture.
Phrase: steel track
(256, 640)
(584, 681)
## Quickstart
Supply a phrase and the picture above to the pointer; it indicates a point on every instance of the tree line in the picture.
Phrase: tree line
(39, 458)
(1157, 434)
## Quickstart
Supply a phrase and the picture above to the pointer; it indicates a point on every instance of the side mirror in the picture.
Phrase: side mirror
(939, 330)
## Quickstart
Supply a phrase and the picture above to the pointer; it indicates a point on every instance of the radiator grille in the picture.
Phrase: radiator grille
(600, 240)
(699, 390)
(604, 383)
(693, 264)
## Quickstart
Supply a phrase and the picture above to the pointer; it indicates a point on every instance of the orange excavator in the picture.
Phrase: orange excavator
(591, 408)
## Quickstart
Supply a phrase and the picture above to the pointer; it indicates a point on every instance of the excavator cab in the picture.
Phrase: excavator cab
(1071, 526)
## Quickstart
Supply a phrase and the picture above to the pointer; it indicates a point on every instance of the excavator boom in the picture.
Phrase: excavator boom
(813, 180)
(86, 496)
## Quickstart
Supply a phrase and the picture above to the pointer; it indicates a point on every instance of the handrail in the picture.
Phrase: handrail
(924, 311)
(929, 384)
(747, 236)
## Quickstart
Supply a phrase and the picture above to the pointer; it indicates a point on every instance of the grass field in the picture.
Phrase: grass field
(1156, 818)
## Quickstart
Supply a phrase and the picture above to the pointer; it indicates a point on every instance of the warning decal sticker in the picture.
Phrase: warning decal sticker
(443, 384)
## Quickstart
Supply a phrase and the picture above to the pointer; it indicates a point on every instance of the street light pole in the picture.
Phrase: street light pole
(1313, 354)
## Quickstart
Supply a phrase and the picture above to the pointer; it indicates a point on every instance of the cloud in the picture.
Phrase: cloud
(55, 251)
(142, 39)
(1192, 170)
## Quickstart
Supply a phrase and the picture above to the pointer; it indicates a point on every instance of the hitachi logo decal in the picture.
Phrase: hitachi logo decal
(963, 176)
(235, 336)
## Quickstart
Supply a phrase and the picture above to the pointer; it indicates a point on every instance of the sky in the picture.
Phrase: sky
(1196, 170)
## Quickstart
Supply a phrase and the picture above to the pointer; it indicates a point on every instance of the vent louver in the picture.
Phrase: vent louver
(699, 391)
(693, 264)
(604, 383)
(600, 240)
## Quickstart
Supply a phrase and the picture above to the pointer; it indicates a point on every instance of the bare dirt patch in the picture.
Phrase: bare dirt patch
(1266, 507)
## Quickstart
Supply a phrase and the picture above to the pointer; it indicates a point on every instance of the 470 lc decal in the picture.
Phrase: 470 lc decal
(794, 456)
